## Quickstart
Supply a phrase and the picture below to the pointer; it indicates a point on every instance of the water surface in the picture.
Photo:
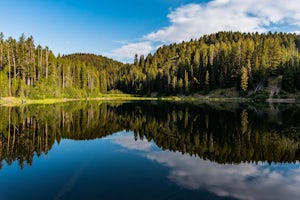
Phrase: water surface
(151, 150)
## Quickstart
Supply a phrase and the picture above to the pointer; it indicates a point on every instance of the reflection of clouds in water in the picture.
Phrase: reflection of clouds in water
(242, 181)
(126, 139)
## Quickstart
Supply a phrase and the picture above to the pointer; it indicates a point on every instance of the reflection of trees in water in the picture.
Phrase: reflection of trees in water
(25, 131)
(222, 136)
(234, 136)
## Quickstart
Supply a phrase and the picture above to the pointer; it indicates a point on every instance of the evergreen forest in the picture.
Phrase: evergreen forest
(244, 61)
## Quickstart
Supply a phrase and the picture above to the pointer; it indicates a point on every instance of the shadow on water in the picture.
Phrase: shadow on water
(223, 133)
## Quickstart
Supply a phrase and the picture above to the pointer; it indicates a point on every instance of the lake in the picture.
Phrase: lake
(150, 150)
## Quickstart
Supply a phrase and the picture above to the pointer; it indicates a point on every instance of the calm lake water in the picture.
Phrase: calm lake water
(150, 150)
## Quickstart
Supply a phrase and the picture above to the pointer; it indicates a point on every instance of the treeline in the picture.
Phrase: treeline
(30, 71)
(221, 60)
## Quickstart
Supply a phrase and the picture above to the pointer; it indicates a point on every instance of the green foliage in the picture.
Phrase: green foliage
(260, 95)
(3, 83)
(214, 61)
(45, 89)
(180, 86)
(221, 60)
(283, 95)
(37, 73)
(115, 92)
(71, 92)
(288, 80)
(244, 79)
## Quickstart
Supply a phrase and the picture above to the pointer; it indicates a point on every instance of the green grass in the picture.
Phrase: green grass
(17, 101)
(260, 96)
(123, 98)
(170, 98)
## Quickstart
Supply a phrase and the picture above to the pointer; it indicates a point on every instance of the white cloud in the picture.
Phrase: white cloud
(127, 51)
(242, 181)
(297, 32)
(194, 20)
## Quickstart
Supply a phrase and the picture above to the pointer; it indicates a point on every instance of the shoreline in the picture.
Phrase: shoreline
(281, 100)
(17, 101)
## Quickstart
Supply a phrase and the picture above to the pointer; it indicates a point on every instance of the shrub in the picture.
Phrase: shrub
(261, 95)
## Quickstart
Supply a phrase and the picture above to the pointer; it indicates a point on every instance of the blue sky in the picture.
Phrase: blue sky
(119, 29)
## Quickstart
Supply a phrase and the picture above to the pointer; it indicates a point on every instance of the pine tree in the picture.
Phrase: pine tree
(207, 78)
(180, 85)
(244, 79)
(196, 60)
(1, 50)
(174, 84)
(3, 83)
(288, 80)
(186, 82)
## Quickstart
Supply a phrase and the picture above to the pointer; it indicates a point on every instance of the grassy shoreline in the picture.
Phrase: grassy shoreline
(17, 101)
(226, 95)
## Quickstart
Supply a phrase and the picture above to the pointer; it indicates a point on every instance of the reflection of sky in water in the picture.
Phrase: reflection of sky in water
(242, 181)
(127, 140)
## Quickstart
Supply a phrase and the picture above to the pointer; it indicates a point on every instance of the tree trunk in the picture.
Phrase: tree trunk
(9, 74)
(1, 55)
(46, 63)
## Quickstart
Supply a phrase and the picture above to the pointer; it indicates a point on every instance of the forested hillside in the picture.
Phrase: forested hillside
(33, 71)
(222, 60)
